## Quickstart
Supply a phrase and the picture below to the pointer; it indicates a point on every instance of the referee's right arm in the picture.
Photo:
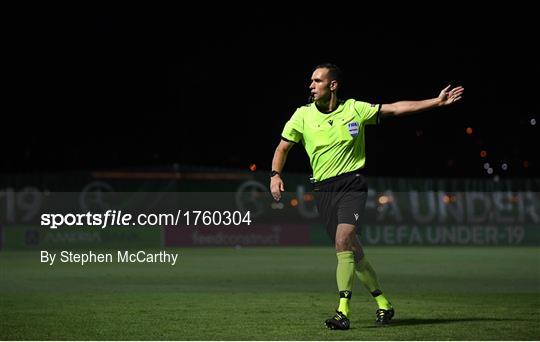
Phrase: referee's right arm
(280, 156)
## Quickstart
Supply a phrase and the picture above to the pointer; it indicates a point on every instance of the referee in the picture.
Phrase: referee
(332, 132)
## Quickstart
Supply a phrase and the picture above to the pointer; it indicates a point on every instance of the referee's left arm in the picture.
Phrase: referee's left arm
(446, 97)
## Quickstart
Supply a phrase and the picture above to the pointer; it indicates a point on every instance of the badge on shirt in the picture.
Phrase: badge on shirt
(353, 129)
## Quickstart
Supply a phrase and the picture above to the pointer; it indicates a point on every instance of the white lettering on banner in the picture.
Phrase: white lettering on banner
(491, 235)
(371, 200)
(448, 234)
(373, 235)
(515, 234)
(402, 233)
(425, 207)
(433, 236)
(453, 210)
(389, 235)
(463, 235)
(443, 235)
(245, 203)
(92, 196)
(389, 209)
(416, 238)
(502, 202)
(478, 236)
(428, 216)
(478, 207)
(221, 239)
(532, 207)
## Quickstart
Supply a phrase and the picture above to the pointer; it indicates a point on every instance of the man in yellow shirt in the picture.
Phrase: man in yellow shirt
(332, 132)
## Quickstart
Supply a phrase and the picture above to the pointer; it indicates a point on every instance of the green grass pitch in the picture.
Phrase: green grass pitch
(439, 293)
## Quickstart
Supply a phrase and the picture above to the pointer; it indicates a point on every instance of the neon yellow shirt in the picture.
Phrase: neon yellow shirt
(333, 141)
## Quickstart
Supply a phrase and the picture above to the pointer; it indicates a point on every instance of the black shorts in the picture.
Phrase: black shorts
(341, 199)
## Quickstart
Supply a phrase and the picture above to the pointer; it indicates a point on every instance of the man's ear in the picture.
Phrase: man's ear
(333, 85)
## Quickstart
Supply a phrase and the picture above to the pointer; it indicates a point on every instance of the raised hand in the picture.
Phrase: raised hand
(450, 96)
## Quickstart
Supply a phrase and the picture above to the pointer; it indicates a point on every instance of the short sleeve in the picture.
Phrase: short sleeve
(369, 113)
(294, 128)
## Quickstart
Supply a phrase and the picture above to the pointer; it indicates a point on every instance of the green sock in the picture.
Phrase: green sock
(368, 278)
(345, 276)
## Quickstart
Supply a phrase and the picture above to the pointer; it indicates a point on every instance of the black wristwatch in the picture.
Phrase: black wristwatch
(273, 173)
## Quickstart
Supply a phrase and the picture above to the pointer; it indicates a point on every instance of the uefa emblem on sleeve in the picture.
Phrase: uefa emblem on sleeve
(353, 129)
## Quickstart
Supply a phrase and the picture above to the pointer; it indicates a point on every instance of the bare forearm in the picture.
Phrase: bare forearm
(280, 157)
(409, 107)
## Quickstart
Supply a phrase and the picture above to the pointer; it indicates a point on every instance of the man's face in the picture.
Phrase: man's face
(321, 86)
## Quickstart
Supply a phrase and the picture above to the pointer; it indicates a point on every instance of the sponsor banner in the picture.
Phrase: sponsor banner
(450, 235)
(255, 235)
(403, 235)
(35, 237)
(398, 211)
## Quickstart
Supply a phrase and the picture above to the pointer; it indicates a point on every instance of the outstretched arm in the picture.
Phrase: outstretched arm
(280, 156)
(446, 97)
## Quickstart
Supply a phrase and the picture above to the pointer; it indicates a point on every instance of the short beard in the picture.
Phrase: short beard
(311, 98)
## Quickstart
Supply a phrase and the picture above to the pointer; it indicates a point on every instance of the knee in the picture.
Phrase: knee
(343, 243)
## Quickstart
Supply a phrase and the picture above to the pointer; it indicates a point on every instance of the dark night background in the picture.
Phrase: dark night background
(150, 89)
